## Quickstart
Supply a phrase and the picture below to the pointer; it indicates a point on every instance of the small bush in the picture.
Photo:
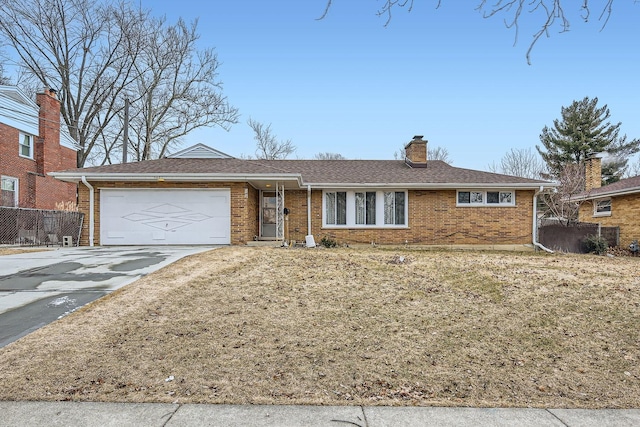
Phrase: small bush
(596, 244)
(328, 242)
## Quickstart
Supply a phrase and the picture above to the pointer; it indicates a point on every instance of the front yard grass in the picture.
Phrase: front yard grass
(349, 326)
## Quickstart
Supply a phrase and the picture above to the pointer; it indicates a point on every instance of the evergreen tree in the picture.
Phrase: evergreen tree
(583, 130)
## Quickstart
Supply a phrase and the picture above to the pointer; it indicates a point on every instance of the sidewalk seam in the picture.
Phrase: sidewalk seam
(556, 417)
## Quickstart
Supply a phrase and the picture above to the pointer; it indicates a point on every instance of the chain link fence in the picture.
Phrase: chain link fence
(38, 227)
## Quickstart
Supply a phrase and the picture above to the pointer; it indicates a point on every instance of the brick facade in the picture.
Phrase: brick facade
(434, 218)
(36, 189)
(625, 213)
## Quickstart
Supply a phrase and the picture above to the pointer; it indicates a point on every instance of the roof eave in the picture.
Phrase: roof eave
(172, 177)
(624, 192)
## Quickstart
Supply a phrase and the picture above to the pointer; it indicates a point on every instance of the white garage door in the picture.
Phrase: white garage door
(165, 217)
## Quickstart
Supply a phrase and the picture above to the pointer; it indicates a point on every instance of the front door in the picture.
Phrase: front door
(268, 215)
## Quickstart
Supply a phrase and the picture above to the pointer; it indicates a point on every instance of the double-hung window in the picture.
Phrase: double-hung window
(335, 207)
(394, 207)
(9, 191)
(365, 208)
(26, 145)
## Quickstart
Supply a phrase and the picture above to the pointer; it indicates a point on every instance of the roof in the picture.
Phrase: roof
(199, 151)
(303, 173)
(620, 188)
(22, 113)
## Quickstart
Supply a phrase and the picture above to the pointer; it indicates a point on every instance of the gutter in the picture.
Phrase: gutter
(91, 206)
(535, 222)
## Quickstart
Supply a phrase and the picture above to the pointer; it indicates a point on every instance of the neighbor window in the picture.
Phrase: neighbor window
(602, 207)
(365, 208)
(486, 198)
(9, 192)
(26, 145)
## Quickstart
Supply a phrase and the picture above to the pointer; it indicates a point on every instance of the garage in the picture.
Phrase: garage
(165, 216)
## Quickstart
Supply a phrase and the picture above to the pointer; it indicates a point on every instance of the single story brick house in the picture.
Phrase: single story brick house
(614, 205)
(203, 196)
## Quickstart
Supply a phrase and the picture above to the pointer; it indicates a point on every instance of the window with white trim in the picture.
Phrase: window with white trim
(26, 145)
(394, 207)
(335, 208)
(602, 207)
(371, 208)
(9, 190)
(486, 198)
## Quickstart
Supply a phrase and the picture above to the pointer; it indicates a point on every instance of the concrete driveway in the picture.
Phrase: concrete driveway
(37, 288)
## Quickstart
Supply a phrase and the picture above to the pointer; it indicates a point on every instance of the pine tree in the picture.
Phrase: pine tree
(583, 130)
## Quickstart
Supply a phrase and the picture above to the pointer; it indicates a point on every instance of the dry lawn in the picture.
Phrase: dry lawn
(348, 326)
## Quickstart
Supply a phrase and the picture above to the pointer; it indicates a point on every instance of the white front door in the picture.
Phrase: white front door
(165, 216)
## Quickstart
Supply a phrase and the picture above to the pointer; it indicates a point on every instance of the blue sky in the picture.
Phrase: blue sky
(347, 84)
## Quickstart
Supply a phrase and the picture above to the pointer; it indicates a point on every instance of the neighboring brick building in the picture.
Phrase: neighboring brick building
(614, 205)
(202, 196)
(30, 148)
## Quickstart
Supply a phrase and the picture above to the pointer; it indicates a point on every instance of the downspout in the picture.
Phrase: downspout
(535, 222)
(91, 204)
(308, 210)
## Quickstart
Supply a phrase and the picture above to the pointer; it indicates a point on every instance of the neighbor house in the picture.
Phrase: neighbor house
(203, 196)
(614, 205)
(30, 147)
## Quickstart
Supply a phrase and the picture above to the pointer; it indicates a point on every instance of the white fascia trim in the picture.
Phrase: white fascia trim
(146, 177)
(605, 195)
(429, 186)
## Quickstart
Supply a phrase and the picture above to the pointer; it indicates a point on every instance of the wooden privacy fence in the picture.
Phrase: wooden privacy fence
(570, 238)
(39, 227)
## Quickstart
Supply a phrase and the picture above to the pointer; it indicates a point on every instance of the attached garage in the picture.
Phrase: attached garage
(165, 216)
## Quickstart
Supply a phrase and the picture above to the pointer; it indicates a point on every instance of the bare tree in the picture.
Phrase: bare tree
(634, 169)
(571, 182)
(553, 14)
(329, 156)
(96, 53)
(268, 146)
(435, 153)
(82, 48)
(523, 162)
(175, 90)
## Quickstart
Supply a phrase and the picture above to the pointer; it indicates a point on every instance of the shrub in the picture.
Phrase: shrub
(596, 244)
(328, 242)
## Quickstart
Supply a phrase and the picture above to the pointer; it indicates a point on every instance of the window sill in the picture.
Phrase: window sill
(598, 215)
(25, 157)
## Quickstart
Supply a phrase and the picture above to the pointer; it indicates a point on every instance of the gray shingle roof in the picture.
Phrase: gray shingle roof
(628, 185)
(310, 171)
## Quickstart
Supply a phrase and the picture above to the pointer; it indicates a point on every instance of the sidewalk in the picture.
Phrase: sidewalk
(173, 415)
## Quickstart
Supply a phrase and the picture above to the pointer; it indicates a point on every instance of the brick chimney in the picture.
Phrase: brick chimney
(592, 172)
(416, 152)
(48, 142)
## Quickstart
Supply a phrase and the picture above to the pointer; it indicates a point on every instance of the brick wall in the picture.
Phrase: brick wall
(625, 213)
(36, 189)
(434, 218)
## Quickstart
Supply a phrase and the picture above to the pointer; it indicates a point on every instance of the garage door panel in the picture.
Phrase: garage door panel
(132, 217)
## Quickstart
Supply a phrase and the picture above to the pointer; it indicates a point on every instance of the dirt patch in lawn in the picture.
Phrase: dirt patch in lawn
(349, 327)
